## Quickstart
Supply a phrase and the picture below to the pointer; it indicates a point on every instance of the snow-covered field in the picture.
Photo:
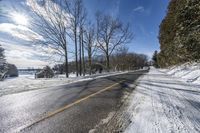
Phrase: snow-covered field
(162, 103)
(27, 82)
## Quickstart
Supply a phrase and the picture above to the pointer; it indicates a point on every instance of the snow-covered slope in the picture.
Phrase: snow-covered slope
(189, 72)
(164, 104)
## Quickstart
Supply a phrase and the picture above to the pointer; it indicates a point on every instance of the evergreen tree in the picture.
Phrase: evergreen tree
(2, 56)
(179, 33)
(3, 65)
(155, 59)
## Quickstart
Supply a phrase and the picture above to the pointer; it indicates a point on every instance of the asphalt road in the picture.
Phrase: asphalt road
(72, 108)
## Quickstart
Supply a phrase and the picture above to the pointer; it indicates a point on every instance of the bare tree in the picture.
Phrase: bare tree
(90, 45)
(83, 17)
(57, 21)
(119, 59)
(50, 22)
(123, 60)
(78, 12)
(111, 33)
(81, 46)
(82, 50)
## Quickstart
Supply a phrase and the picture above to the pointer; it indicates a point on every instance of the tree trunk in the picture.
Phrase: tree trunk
(90, 65)
(107, 62)
(66, 64)
(80, 59)
(90, 59)
(83, 58)
(76, 53)
(107, 57)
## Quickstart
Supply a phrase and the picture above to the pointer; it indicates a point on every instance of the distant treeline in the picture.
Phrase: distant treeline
(179, 34)
(120, 61)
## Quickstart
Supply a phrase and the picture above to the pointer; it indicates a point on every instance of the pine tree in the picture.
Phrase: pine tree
(155, 59)
(3, 65)
(179, 33)
(2, 56)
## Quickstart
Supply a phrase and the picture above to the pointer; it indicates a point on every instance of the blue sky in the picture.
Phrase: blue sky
(144, 16)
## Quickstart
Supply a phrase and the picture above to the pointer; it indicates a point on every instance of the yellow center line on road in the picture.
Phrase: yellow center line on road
(69, 105)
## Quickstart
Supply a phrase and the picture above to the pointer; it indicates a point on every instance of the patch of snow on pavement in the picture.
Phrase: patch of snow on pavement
(103, 121)
(161, 103)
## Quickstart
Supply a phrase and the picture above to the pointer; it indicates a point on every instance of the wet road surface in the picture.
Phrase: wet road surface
(72, 108)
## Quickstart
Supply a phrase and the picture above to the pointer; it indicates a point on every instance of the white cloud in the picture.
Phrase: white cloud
(18, 31)
(23, 56)
(16, 38)
(139, 9)
(25, 63)
(49, 11)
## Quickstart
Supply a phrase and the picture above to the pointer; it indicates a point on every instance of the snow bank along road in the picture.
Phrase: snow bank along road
(72, 108)
(162, 104)
(28, 82)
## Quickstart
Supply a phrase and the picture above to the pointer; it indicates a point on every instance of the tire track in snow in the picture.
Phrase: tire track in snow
(180, 118)
(186, 102)
(173, 114)
(156, 123)
(171, 106)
